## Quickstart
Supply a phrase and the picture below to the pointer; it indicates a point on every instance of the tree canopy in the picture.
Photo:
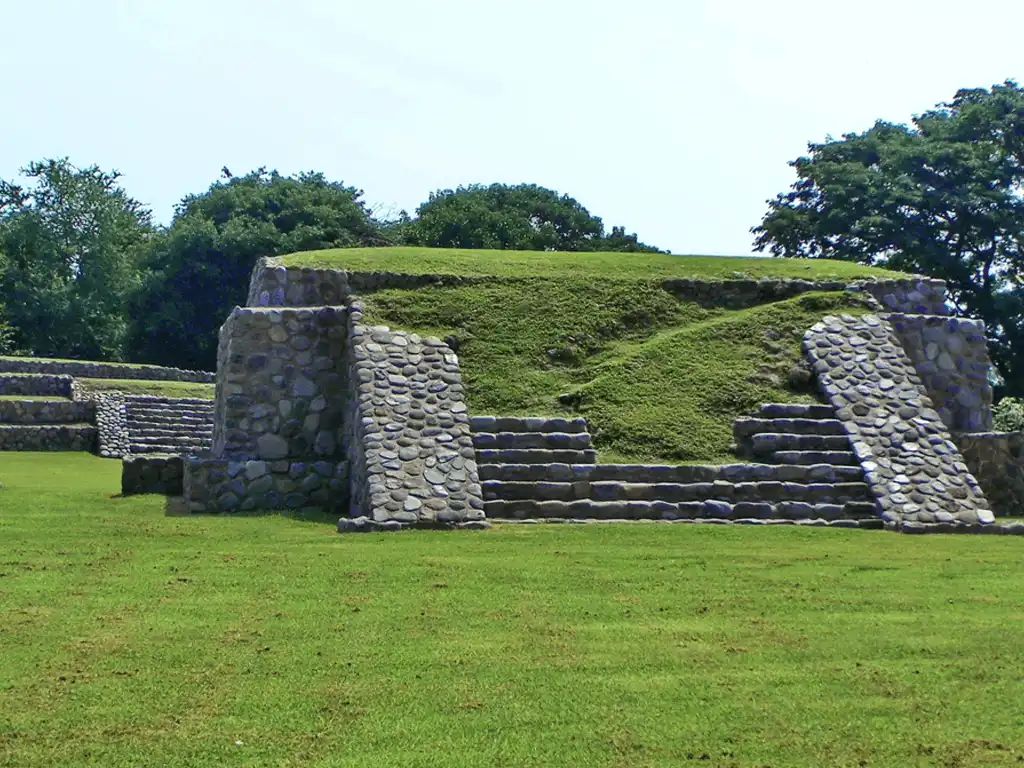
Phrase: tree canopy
(200, 266)
(515, 217)
(941, 197)
(70, 248)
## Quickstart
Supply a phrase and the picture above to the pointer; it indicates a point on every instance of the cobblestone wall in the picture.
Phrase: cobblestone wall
(281, 378)
(222, 485)
(89, 370)
(914, 469)
(45, 411)
(950, 356)
(47, 437)
(152, 474)
(412, 455)
(41, 385)
(996, 459)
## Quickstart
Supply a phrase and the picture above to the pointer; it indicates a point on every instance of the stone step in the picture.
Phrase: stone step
(183, 429)
(836, 458)
(746, 427)
(495, 424)
(168, 413)
(166, 449)
(565, 441)
(670, 473)
(770, 442)
(663, 510)
(148, 400)
(770, 491)
(171, 438)
(47, 437)
(796, 411)
(533, 456)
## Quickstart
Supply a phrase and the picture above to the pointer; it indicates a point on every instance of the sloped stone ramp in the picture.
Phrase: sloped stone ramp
(914, 470)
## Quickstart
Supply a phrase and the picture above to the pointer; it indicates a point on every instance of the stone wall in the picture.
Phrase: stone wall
(151, 474)
(280, 385)
(914, 469)
(996, 459)
(111, 424)
(40, 385)
(411, 452)
(950, 356)
(89, 370)
(45, 411)
(222, 485)
(274, 285)
(47, 437)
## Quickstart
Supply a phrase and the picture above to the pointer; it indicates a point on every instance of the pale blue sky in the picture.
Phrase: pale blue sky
(675, 119)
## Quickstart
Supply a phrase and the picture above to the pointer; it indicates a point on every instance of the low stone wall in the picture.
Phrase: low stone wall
(950, 356)
(273, 285)
(90, 370)
(221, 485)
(996, 459)
(45, 411)
(41, 385)
(47, 437)
(412, 454)
(151, 474)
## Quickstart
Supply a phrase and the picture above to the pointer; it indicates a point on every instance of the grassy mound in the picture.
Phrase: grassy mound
(647, 266)
(659, 379)
(149, 387)
(130, 637)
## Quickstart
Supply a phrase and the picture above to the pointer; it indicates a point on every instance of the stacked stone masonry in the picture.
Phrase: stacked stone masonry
(90, 370)
(914, 469)
(996, 459)
(152, 474)
(411, 450)
(35, 384)
(165, 425)
(951, 358)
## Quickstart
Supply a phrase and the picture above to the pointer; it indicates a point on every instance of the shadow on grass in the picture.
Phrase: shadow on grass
(175, 506)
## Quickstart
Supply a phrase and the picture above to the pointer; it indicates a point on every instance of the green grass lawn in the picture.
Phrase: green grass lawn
(129, 638)
(145, 387)
(127, 366)
(657, 378)
(648, 266)
(37, 398)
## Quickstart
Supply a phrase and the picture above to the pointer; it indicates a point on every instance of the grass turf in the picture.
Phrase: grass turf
(134, 638)
(649, 266)
(145, 387)
(657, 378)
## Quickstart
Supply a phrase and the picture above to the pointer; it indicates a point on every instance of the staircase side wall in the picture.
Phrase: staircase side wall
(950, 356)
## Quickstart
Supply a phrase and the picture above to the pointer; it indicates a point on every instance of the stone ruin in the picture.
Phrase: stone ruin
(316, 408)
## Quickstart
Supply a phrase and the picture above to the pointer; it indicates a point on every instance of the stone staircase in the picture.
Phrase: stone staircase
(802, 469)
(38, 414)
(165, 425)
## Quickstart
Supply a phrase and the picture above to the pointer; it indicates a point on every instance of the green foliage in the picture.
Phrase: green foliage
(134, 637)
(941, 198)
(519, 217)
(70, 247)
(607, 266)
(1008, 415)
(201, 265)
(657, 378)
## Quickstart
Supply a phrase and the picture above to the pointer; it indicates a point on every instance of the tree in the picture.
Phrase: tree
(70, 245)
(200, 267)
(942, 197)
(521, 217)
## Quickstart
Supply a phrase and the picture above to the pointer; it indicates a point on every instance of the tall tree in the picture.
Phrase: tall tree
(942, 197)
(202, 263)
(70, 245)
(520, 217)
